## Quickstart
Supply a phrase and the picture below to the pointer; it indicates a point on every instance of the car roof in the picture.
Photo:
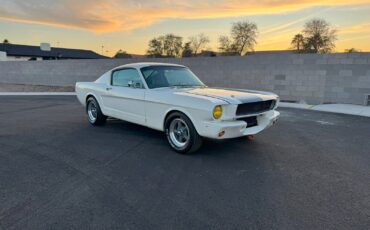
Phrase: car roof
(146, 64)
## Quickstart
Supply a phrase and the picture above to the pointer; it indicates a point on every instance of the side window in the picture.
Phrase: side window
(124, 76)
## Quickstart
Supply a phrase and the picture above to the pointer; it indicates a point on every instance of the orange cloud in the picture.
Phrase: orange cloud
(125, 15)
(363, 28)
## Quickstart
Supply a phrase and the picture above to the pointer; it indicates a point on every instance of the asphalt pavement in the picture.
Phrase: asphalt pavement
(310, 171)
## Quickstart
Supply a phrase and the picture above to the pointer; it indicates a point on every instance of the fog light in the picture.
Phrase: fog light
(221, 134)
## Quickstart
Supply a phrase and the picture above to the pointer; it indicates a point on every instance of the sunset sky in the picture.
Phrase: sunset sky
(130, 24)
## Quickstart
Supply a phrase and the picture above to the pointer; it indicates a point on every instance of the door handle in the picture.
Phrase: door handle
(108, 88)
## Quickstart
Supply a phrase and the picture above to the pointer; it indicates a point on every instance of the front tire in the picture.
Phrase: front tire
(181, 134)
(94, 113)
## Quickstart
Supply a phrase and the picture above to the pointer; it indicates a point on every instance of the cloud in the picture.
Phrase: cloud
(125, 15)
(361, 29)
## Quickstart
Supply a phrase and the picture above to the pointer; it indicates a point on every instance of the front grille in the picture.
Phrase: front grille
(251, 121)
(255, 107)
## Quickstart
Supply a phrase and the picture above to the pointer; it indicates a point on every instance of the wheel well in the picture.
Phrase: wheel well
(88, 96)
(169, 114)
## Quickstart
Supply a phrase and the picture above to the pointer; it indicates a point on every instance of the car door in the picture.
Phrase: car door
(125, 96)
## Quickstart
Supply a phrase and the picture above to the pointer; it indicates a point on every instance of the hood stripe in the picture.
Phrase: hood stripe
(211, 96)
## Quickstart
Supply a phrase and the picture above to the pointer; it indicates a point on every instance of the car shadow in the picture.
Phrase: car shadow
(215, 147)
(209, 147)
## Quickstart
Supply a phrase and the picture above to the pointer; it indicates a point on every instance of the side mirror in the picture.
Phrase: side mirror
(135, 85)
(138, 85)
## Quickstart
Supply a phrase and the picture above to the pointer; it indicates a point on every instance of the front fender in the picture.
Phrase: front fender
(181, 110)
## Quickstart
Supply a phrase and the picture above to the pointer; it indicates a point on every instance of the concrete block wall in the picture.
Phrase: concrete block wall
(313, 78)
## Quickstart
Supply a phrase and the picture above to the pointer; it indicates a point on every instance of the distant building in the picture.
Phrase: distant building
(13, 52)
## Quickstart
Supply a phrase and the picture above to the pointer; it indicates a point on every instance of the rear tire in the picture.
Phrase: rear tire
(181, 134)
(94, 113)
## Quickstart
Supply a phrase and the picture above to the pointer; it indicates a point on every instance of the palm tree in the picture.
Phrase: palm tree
(298, 42)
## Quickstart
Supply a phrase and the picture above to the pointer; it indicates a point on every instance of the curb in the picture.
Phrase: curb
(356, 110)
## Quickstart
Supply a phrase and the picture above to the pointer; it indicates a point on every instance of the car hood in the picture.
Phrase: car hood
(232, 96)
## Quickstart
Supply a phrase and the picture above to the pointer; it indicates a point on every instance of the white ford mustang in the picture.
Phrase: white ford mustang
(171, 98)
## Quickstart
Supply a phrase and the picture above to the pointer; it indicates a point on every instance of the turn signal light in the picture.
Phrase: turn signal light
(221, 134)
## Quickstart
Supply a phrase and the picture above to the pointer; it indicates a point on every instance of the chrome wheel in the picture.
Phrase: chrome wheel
(179, 133)
(92, 111)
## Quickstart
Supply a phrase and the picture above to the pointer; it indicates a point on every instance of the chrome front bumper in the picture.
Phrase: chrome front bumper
(238, 128)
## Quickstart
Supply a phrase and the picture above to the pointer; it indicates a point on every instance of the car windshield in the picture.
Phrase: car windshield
(170, 76)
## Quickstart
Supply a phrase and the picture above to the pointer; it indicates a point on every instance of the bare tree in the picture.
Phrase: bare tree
(172, 45)
(243, 38)
(225, 43)
(227, 47)
(155, 47)
(319, 36)
(198, 42)
(122, 54)
(244, 34)
(298, 42)
(187, 51)
(168, 45)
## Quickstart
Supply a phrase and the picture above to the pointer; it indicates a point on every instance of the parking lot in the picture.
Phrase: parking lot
(310, 171)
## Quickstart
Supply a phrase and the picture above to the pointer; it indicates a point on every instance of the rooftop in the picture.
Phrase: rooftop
(145, 64)
(60, 53)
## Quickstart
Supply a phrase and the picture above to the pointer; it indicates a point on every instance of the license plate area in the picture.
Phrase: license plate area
(251, 121)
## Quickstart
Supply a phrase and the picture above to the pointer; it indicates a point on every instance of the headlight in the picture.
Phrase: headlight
(217, 112)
